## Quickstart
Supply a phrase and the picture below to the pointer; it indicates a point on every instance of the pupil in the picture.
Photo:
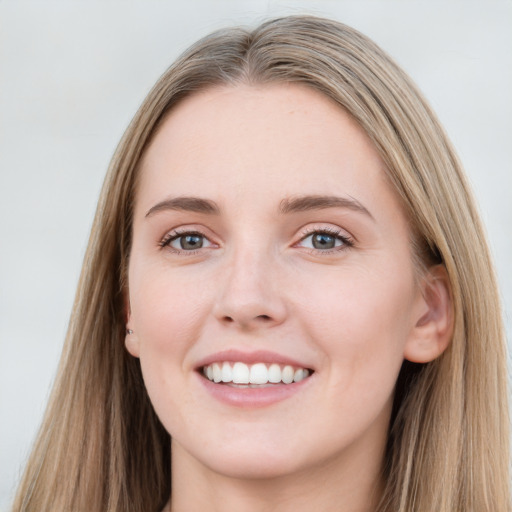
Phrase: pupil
(323, 241)
(191, 242)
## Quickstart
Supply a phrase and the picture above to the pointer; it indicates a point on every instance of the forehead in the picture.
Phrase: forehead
(260, 143)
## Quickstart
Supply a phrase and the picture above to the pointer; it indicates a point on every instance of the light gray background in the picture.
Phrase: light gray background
(72, 73)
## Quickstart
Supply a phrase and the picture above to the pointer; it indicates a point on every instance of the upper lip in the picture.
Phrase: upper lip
(258, 356)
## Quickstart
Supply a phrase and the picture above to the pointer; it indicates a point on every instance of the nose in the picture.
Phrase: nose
(251, 293)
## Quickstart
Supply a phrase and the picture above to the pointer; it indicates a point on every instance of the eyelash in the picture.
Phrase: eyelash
(347, 242)
(174, 235)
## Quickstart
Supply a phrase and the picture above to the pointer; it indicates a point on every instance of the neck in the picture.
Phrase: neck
(326, 487)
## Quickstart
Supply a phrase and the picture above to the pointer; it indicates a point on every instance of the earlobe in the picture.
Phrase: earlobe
(130, 340)
(433, 325)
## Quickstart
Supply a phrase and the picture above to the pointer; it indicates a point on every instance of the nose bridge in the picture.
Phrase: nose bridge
(249, 295)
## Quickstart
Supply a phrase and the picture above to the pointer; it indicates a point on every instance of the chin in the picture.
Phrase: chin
(252, 466)
(245, 458)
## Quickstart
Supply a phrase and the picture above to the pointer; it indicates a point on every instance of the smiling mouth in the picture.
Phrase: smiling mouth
(253, 375)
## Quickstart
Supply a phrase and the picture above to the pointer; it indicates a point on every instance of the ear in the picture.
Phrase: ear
(131, 341)
(433, 328)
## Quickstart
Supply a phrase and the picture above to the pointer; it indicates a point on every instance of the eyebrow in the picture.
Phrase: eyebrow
(188, 204)
(288, 205)
(316, 202)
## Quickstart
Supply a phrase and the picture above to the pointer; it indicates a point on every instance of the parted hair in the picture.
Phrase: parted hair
(102, 448)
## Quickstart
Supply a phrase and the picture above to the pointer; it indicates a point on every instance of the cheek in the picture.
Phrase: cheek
(361, 321)
(166, 314)
(165, 309)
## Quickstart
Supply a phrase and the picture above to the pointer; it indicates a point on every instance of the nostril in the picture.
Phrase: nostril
(248, 322)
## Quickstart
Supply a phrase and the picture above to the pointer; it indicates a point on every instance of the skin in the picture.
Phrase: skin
(351, 313)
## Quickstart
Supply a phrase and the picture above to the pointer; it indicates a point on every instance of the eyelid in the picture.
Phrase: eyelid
(180, 231)
(346, 238)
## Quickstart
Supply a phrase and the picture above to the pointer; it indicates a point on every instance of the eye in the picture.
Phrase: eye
(325, 240)
(186, 241)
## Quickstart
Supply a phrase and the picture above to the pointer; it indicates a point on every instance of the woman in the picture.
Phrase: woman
(287, 277)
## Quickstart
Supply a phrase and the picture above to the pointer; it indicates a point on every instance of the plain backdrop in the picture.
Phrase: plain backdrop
(72, 74)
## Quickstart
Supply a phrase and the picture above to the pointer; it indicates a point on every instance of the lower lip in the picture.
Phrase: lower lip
(247, 397)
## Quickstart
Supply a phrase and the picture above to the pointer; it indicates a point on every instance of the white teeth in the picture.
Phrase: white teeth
(298, 375)
(240, 373)
(274, 373)
(217, 373)
(259, 373)
(227, 372)
(288, 375)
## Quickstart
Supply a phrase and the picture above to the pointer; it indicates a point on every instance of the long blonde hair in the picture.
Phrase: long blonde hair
(101, 446)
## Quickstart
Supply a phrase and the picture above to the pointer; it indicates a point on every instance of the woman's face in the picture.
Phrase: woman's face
(267, 245)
